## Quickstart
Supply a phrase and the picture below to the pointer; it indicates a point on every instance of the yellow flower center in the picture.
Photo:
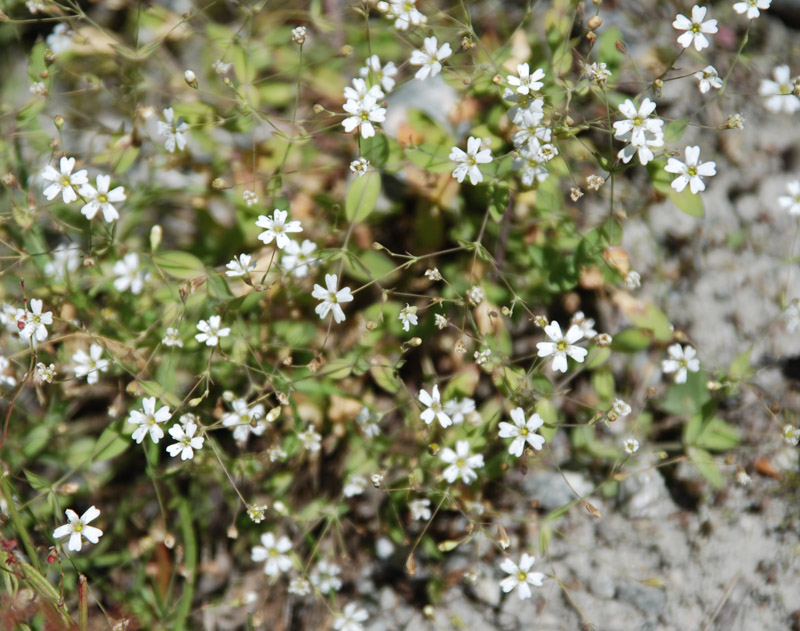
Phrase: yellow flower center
(562, 345)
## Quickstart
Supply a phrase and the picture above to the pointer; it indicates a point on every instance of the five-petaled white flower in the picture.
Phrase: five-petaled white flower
(364, 111)
(435, 410)
(469, 160)
(780, 93)
(89, 364)
(172, 338)
(791, 202)
(462, 464)
(34, 322)
(331, 298)
(382, 74)
(708, 78)
(240, 266)
(149, 420)
(326, 576)
(691, 172)
(520, 576)
(65, 181)
(630, 445)
(430, 59)
(460, 409)
(187, 443)
(101, 198)
(522, 431)
(639, 130)
(525, 82)
(620, 408)
(403, 12)
(753, 8)
(210, 331)
(682, 359)
(273, 553)
(78, 528)
(696, 29)
(129, 276)
(245, 419)
(420, 509)
(173, 132)
(276, 227)
(586, 324)
(408, 316)
(297, 257)
(562, 345)
(350, 619)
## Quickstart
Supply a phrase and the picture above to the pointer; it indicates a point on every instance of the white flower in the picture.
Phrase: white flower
(526, 82)
(173, 133)
(326, 577)
(276, 454)
(562, 346)
(358, 90)
(276, 227)
(461, 463)
(620, 408)
(791, 202)
(633, 280)
(791, 435)
(363, 113)
(65, 260)
(129, 276)
(38, 88)
(210, 331)
(101, 198)
(34, 322)
(753, 8)
(630, 445)
(297, 257)
(468, 161)
(187, 443)
(149, 420)
(420, 509)
(356, 485)
(273, 553)
(708, 78)
(45, 373)
(530, 122)
(245, 420)
(299, 587)
(381, 74)
(359, 167)
(639, 130)
(780, 92)
(408, 316)
(696, 29)
(350, 619)
(5, 379)
(735, 121)
(430, 59)
(520, 577)
(475, 295)
(594, 182)
(65, 181)
(172, 338)
(311, 439)
(792, 316)
(585, 324)
(220, 67)
(691, 172)
(597, 72)
(368, 420)
(256, 512)
(249, 197)
(531, 162)
(522, 431)
(433, 274)
(482, 356)
(60, 40)
(35, 6)
(78, 528)
(440, 321)
(90, 365)
(240, 266)
(433, 402)
(459, 409)
(681, 359)
(299, 35)
(403, 12)
(331, 298)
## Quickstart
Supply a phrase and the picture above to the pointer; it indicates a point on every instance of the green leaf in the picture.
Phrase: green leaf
(498, 203)
(740, 367)
(154, 389)
(631, 341)
(361, 196)
(713, 433)
(110, 445)
(686, 398)
(655, 320)
(376, 150)
(603, 383)
(687, 202)
(433, 158)
(37, 482)
(383, 374)
(705, 464)
(180, 265)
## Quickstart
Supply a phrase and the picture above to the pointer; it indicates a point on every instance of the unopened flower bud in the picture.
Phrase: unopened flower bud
(594, 22)
(540, 321)
(49, 57)
(156, 233)
(59, 121)
(299, 35)
(502, 537)
(318, 109)
(377, 480)
(433, 449)
(415, 341)
(603, 340)
(190, 78)
(621, 47)
(345, 51)
(220, 184)
(273, 414)
(591, 36)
